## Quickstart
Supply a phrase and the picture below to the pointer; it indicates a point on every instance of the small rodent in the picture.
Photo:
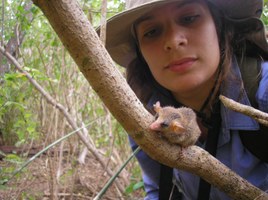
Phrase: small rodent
(177, 125)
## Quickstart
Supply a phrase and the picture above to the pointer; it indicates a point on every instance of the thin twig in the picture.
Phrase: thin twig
(256, 114)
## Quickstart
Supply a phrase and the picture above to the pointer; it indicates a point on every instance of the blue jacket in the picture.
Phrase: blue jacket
(230, 150)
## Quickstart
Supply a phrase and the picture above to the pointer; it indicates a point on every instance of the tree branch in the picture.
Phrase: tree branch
(83, 44)
(258, 115)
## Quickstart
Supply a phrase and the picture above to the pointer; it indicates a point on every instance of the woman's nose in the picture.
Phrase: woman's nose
(174, 39)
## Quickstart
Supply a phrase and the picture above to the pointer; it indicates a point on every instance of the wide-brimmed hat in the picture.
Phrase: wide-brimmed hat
(121, 45)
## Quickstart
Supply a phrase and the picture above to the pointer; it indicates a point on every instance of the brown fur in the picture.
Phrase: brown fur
(177, 125)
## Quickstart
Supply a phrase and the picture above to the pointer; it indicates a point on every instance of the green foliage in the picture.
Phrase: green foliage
(13, 158)
(15, 12)
(134, 186)
(48, 62)
(16, 120)
(25, 195)
(265, 13)
(92, 9)
(5, 171)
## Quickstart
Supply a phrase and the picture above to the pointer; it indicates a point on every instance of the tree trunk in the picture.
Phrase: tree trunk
(83, 44)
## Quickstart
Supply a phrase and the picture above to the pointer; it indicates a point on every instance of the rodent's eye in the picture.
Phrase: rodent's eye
(164, 125)
(156, 116)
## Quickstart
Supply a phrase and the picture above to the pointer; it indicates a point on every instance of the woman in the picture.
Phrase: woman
(186, 53)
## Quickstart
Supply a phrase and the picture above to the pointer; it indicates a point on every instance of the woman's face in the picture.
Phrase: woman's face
(179, 42)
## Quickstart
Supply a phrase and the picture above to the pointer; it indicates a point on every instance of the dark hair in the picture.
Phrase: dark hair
(142, 82)
(140, 78)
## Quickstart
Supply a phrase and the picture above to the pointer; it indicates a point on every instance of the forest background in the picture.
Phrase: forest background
(37, 89)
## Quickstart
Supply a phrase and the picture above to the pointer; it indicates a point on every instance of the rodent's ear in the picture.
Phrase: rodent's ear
(177, 127)
(157, 107)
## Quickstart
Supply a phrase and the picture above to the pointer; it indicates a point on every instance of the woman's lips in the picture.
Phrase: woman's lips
(182, 65)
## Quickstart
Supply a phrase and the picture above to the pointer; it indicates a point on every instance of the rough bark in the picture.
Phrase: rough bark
(83, 44)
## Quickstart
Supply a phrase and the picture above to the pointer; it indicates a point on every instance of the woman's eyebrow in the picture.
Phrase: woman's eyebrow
(143, 19)
(149, 17)
(184, 3)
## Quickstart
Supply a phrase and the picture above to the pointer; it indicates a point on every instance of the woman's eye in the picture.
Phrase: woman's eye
(189, 19)
(151, 33)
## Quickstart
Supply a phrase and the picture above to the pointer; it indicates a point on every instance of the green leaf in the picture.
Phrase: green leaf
(138, 185)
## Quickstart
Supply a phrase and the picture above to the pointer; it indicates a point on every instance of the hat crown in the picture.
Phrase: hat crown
(130, 4)
(233, 8)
